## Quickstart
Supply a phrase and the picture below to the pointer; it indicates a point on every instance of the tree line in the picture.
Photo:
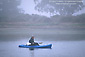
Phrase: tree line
(9, 12)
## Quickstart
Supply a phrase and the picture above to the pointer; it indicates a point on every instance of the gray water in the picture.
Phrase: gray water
(65, 42)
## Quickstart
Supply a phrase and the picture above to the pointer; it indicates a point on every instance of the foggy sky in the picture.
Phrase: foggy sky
(28, 7)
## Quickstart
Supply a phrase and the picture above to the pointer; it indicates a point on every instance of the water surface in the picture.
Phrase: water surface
(65, 42)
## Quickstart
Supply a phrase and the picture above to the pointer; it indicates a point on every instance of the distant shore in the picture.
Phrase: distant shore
(42, 25)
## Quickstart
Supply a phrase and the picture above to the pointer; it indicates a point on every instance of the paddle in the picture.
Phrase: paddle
(30, 43)
(40, 43)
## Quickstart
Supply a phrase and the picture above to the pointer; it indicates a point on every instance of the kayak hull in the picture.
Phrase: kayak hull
(41, 46)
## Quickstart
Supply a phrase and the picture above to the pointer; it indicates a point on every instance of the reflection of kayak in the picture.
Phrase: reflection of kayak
(40, 46)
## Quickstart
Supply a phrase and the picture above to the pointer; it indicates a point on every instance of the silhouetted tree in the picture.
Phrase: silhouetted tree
(59, 6)
(9, 8)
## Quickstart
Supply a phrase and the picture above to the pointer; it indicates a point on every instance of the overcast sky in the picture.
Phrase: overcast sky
(28, 7)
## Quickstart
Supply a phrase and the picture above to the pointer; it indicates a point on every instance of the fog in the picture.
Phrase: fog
(49, 21)
(61, 25)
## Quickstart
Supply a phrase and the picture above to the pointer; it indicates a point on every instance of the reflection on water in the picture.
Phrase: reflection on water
(38, 48)
(31, 53)
(59, 49)
(65, 43)
(31, 48)
(12, 34)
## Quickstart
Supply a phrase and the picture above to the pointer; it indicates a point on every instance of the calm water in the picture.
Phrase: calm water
(59, 49)
(66, 43)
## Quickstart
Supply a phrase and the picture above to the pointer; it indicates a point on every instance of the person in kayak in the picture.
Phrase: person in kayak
(32, 41)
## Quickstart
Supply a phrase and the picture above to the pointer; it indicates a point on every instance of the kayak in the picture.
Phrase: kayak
(40, 46)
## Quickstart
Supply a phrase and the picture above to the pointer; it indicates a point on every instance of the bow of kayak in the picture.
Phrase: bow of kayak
(40, 46)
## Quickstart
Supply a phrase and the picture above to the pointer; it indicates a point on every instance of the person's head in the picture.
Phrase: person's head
(32, 37)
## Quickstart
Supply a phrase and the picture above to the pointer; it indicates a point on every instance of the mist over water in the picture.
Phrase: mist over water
(42, 34)
(62, 29)
(65, 42)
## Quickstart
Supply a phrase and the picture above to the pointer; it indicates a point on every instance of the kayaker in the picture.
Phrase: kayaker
(32, 41)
